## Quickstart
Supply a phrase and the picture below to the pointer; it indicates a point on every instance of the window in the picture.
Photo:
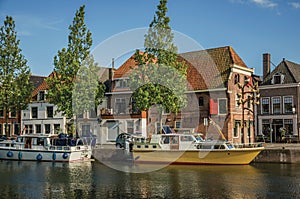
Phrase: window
(50, 111)
(237, 101)
(56, 128)
(222, 106)
(288, 125)
(86, 129)
(121, 83)
(13, 114)
(34, 112)
(236, 128)
(17, 128)
(38, 128)
(246, 80)
(277, 79)
(288, 104)
(29, 128)
(166, 112)
(120, 105)
(237, 79)
(47, 128)
(177, 124)
(201, 101)
(92, 114)
(276, 105)
(265, 105)
(130, 127)
(41, 96)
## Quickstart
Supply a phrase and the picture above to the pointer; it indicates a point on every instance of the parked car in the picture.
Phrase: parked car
(124, 138)
(120, 140)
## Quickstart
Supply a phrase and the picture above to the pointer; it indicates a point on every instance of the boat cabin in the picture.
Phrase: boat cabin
(173, 141)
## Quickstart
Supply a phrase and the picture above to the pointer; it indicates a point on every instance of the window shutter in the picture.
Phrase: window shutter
(213, 107)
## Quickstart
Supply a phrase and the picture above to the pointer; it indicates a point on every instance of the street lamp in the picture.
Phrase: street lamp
(249, 94)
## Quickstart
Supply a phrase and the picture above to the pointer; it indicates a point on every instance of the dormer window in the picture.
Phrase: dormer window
(278, 78)
(42, 96)
(121, 83)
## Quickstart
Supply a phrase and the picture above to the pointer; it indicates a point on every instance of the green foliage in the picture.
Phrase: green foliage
(67, 63)
(15, 87)
(88, 90)
(159, 78)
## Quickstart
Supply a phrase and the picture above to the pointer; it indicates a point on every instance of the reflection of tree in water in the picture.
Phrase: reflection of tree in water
(73, 180)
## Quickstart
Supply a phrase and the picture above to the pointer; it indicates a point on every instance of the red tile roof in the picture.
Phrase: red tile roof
(124, 70)
(210, 68)
(206, 68)
(42, 86)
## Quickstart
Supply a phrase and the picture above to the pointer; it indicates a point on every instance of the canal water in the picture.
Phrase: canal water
(97, 180)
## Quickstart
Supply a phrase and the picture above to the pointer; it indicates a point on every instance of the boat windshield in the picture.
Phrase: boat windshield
(229, 145)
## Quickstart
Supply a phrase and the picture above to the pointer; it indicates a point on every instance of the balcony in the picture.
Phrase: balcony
(111, 114)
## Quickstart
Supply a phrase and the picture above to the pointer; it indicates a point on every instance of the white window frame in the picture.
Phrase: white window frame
(280, 105)
(261, 105)
(219, 99)
(285, 97)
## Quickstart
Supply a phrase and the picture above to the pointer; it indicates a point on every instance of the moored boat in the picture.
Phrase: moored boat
(45, 147)
(186, 149)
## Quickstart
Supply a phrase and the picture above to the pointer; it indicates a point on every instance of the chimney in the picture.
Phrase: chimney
(266, 64)
(111, 74)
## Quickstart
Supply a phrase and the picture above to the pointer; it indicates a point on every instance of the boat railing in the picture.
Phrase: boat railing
(248, 145)
(60, 148)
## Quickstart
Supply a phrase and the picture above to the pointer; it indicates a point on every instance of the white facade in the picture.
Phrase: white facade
(40, 117)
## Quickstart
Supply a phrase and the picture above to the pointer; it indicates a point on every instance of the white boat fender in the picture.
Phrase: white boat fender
(20, 155)
(10, 154)
(54, 156)
(65, 155)
(39, 157)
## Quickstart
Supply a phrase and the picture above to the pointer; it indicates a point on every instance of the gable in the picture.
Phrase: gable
(289, 71)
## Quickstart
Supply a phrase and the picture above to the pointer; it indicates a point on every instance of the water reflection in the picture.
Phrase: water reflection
(95, 180)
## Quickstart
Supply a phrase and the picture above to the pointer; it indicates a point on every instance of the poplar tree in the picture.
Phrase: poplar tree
(15, 87)
(70, 96)
(67, 62)
(159, 79)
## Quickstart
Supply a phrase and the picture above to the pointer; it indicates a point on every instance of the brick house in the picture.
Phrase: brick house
(14, 120)
(212, 78)
(278, 112)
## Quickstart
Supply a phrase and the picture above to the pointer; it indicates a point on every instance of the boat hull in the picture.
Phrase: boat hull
(241, 156)
(45, 155)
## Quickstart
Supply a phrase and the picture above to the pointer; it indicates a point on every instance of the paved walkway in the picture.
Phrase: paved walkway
(281, 145)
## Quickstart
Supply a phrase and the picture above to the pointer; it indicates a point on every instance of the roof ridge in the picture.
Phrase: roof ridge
(289, 69)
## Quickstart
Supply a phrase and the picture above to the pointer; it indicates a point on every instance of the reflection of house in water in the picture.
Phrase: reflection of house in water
(277, 114)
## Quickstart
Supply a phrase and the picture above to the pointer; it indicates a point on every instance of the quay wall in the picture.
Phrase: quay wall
(273, 153)
(279, 153)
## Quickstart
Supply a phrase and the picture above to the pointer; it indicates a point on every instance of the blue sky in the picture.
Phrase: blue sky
(251, 27)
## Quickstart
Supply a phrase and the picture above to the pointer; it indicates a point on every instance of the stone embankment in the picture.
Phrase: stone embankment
(279, 153)
(273, 153)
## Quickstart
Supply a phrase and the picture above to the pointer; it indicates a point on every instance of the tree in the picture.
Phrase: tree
(15, 87)
(159, 79)
(67, 64)
(88, 92)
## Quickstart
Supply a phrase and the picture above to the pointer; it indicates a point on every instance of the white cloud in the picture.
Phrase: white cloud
(294, 4)
(265, 3)
(26, 23)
